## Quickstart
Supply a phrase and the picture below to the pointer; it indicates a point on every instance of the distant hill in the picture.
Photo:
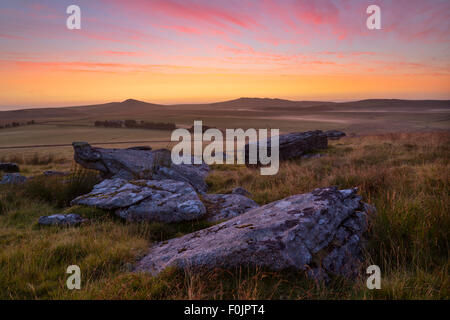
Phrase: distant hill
(110, 110)
(395, 104)
(135, 109)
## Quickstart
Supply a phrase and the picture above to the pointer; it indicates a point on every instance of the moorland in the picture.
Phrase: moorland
(396, 152)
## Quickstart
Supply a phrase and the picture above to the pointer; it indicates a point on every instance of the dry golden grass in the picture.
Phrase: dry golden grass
(406, 176)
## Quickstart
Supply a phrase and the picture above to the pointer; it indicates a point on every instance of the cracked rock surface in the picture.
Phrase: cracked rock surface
(132, 164)
(319, 232)
(146, 200)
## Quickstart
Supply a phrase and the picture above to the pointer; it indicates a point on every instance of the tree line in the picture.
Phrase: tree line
(16, 124)
(136, 124)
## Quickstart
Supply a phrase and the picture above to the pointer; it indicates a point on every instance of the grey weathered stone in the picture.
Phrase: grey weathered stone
(52, 173)
(131, 164)
(227, 206)
(61, 220)
(335, 134)
(293, 145)
(319, 231)
(241, 191)
(146, 200)
(13, 178)
(9, 167)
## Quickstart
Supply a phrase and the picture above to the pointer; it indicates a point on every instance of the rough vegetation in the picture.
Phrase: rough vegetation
(405, 176)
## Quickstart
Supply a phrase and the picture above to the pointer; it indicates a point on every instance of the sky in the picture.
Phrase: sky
(191, 51)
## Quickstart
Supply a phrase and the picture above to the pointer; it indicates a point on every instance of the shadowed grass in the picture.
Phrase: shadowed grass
(35, 159)
(61, 190)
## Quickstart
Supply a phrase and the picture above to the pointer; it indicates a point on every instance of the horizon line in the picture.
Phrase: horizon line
(87, 104)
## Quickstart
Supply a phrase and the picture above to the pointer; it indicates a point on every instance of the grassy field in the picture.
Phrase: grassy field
(359, 117)
(405, 175)
(60, 127)
(66, 134)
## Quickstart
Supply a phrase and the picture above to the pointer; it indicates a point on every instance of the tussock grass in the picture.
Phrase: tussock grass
(35, 159)
(406, 176)
(61, 189)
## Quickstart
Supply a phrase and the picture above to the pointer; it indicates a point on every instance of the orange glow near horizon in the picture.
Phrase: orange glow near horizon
(37, 87)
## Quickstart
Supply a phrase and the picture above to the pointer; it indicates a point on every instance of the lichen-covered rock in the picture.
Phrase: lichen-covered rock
(294, 145)
(146, 200)
(61, 220)
(9, 167)
(130, 164)
(320, 232)
(13, 178)
(227, 206)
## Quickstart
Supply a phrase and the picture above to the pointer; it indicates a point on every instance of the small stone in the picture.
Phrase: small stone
(13, 178)
(52, 173)
(9, 167)
(61, 220)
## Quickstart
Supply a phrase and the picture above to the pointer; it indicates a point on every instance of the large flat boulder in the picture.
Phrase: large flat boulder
(146, 200)
(131, 164)
(294, 145)
(320, 232)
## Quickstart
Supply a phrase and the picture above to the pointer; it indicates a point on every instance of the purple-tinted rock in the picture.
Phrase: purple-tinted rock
(320, 232)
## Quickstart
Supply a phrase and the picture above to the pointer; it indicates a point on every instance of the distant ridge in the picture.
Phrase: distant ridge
(268, 102)
(136, 109)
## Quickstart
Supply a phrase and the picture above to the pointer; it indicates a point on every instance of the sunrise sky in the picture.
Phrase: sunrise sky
(168, 51)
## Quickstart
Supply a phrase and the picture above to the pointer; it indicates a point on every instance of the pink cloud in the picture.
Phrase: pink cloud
(183, 29)
(264, 34)
(11, 36)
(204, 14)
(119, 53)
